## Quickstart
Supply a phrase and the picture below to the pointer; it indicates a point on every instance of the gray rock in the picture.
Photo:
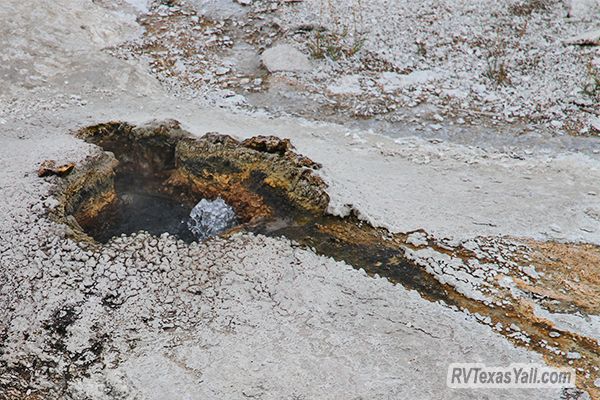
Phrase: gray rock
(284, 57)
(417, 239)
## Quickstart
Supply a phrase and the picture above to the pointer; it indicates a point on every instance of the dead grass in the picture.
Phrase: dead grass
(340, 40)
(497, 66)
(334, 45)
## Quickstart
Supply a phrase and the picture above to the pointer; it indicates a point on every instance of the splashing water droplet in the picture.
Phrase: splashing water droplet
(210, 217)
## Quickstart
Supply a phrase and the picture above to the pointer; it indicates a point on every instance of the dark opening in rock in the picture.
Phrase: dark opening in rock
(140, 201)
(158, 179)
(144, 195)
(136, 210)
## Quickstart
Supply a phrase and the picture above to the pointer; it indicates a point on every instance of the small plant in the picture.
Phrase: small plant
(497, 71)
(334, 45)
(421, 48)
(497, 67)
(340, 40)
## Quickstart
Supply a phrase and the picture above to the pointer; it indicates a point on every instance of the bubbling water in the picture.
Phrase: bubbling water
(211, 217)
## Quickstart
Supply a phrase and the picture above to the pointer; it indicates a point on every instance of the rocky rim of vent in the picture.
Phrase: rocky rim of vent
(211, 166)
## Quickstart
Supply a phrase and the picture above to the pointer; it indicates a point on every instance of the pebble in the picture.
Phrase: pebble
(531, 272)
(417, 239)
